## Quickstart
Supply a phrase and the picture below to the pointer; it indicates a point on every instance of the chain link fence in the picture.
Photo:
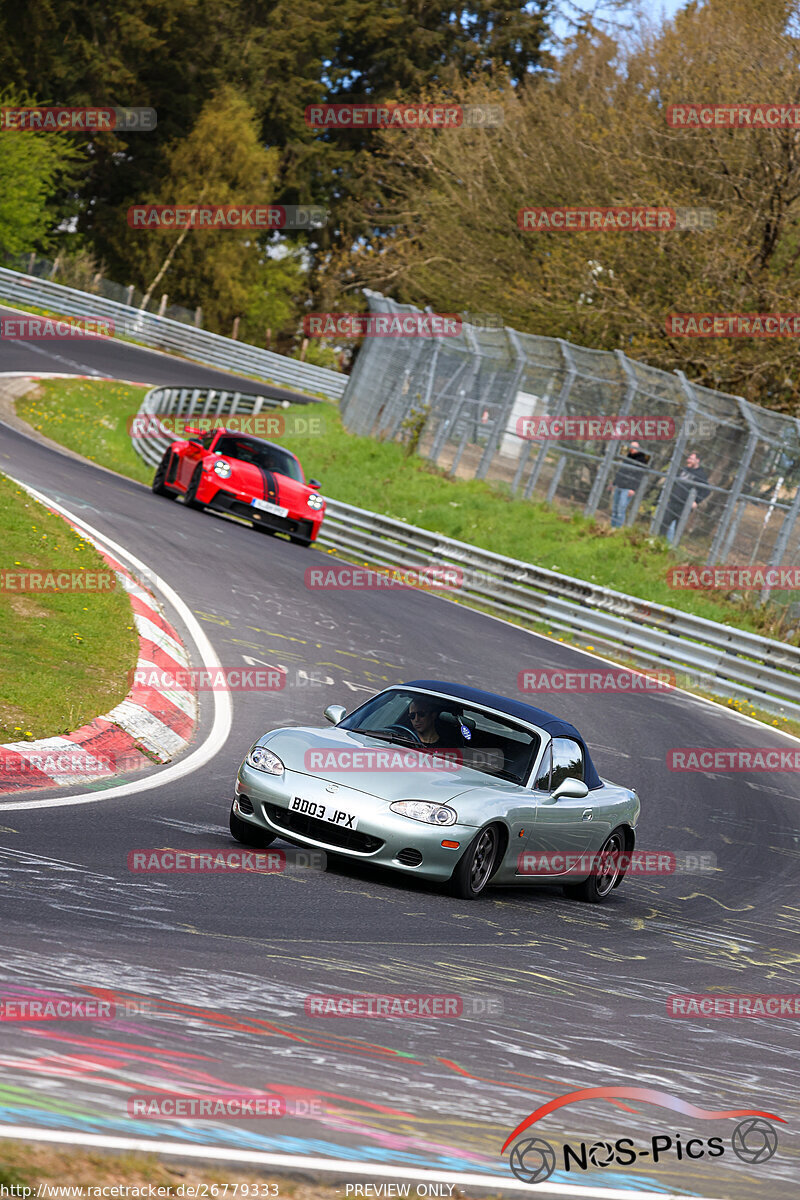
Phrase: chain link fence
(471, 402)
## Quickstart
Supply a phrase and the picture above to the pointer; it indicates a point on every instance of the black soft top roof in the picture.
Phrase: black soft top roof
(555, 726)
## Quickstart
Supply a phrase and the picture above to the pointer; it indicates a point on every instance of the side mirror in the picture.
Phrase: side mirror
(335, 713)
(314, 483)
(570, 789)
(192, 432)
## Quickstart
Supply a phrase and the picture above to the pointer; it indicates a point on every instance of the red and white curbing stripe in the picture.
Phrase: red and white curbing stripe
(147, 726)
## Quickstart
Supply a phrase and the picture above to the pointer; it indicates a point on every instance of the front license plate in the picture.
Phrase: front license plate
(324, 812)
(268, 506)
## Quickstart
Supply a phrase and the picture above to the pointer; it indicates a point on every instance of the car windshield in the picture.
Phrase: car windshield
(485, 741)
(261, 454)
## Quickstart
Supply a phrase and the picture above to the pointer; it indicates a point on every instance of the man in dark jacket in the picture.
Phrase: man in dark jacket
(625, 484)
(690, 476)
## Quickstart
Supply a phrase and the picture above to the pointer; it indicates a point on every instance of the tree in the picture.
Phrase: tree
(226, 271)
(33, 167)
(595, 132)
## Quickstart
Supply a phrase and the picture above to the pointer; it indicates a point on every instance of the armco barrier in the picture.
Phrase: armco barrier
(173, 336)
(725, 661)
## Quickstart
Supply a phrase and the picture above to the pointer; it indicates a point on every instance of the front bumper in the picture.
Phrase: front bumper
(382, 836)
(238, 505)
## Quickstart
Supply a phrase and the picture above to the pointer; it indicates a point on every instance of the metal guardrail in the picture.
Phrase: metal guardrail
(190, 403)
(160, 333)
(720, 659)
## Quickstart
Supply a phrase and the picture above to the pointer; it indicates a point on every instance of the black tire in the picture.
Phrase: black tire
(191, 491)
(476, 865)
(599, 886)
(158, 485)
(249, 835)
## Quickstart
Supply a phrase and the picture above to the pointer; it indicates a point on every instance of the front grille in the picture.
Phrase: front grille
(245, 805)
(322, 831)
(226, 502)
(409, 857)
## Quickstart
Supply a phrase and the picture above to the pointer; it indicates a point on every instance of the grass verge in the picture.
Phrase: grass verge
(91, 417)
(380, 477)
(64, 656)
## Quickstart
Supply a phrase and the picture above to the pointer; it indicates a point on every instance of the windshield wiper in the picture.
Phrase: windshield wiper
(390, 737)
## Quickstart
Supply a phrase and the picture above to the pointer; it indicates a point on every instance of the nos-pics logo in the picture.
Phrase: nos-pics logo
(754, 1140)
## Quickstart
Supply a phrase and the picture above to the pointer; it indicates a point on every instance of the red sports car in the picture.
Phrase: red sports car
(243, 475)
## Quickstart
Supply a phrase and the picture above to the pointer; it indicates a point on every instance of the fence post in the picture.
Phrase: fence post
(782, 540)
(604, 469)
(506, 406)
(738, 484)
(684, 517)
(677, 455)
(561, 404)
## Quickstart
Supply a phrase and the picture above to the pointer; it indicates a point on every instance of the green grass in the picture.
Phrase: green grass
(91, 416)
(378, 476)
(64, 656)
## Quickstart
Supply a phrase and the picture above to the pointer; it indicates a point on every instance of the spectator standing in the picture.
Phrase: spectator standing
(690, 476)
(625, 483)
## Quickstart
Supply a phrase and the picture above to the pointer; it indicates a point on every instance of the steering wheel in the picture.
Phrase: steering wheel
(398, 728)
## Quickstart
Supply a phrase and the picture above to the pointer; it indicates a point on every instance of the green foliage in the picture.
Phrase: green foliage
(33, 167)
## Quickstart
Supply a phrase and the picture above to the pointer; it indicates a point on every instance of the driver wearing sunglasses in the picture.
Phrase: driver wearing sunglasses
(423, 721)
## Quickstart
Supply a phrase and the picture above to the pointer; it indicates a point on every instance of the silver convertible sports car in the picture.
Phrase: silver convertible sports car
(445, 782)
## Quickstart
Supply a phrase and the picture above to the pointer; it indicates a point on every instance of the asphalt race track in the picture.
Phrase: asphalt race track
(122, 360)
(230, 958)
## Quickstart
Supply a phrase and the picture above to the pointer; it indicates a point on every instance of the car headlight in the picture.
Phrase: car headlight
(314, 501)
(264, 760)
(222, 468)
(423, 810)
